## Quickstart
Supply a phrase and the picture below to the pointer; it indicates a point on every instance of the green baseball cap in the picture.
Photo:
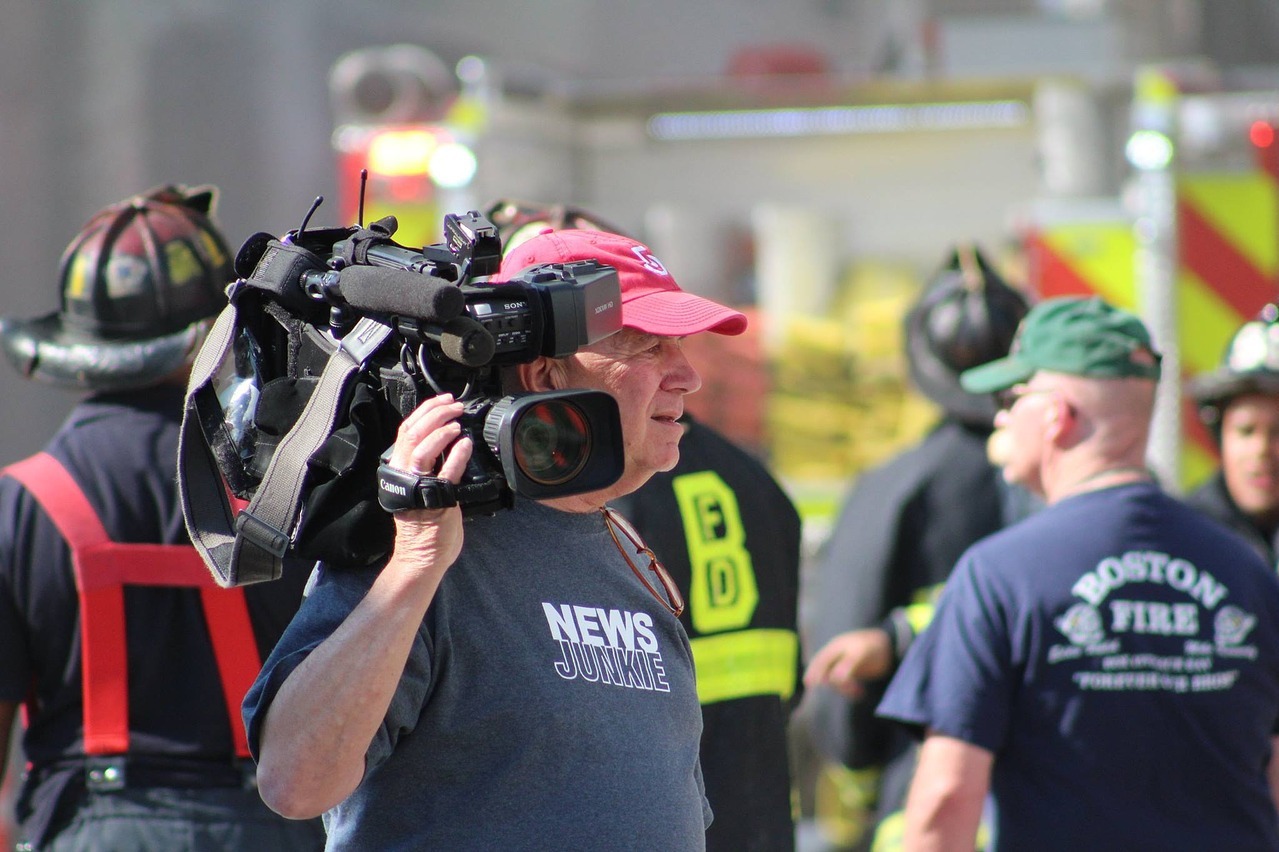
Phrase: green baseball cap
(1078, 336)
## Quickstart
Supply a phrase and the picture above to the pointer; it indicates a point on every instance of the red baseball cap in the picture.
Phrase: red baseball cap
(651, 300)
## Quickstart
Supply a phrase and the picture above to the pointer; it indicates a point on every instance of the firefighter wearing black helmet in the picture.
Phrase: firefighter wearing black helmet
(899, 533)
(1239, 402)
(128, 661)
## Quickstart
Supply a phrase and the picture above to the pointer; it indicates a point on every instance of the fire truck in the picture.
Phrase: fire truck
(821, 206)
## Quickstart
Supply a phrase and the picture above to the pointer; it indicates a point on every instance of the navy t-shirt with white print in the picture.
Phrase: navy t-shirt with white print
(1118, 653)
(548, 701)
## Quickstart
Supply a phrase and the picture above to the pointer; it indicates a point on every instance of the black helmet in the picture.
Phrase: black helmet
(136, 282)
(966, 317)
(1250, 365)
(517, 221)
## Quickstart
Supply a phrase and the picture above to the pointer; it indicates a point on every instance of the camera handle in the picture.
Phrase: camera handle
(478, 493)
(402, 491)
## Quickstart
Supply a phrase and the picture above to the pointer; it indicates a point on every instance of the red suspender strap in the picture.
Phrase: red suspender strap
(102, 569)
(234, 648)
(102, 658)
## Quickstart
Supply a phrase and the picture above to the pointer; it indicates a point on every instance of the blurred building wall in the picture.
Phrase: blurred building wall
(103, 98)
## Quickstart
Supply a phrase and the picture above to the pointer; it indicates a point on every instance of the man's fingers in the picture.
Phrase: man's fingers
(842, 670)
(851, 689)
(455, 461)
(425, 456)
(426, 433)
(836, 665)
(826, 663)
(815, 674)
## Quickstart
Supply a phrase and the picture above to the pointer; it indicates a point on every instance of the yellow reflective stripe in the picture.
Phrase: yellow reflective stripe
(919, 613)
(78, 276)
(844, 802)
(890, 835)
(744, 663)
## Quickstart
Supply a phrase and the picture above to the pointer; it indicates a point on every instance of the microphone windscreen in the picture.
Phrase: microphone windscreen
(379, 290)
(465, 341)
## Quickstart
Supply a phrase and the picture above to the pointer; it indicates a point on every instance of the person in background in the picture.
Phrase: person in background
(720, 518)
(1107, 668)
(731, 537)
(129, 660)
(900, 531)
(1239, 402)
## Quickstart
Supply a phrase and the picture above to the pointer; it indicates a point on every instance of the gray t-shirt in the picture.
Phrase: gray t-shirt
(548, 701)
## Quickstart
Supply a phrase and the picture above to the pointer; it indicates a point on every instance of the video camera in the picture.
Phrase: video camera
(332, 337)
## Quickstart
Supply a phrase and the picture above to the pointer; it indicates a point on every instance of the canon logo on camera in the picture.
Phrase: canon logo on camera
(392, 487)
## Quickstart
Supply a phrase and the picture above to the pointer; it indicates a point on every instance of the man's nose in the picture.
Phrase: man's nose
(682, 375)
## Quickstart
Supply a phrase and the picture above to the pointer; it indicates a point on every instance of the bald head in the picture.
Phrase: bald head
(1105, 424)
(1118, 409)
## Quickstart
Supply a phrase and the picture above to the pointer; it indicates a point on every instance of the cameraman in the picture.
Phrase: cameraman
(535, 686)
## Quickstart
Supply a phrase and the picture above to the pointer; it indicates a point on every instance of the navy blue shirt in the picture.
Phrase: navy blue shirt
(122, 451)
(1119, 655)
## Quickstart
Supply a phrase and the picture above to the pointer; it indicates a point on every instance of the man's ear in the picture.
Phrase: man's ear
(1062, 420)
(543, 374)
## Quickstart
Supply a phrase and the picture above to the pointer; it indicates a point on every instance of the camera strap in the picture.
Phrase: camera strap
(402, 491)
(249, 546)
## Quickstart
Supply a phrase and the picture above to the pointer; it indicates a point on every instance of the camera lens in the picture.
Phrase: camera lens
(552, 442)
